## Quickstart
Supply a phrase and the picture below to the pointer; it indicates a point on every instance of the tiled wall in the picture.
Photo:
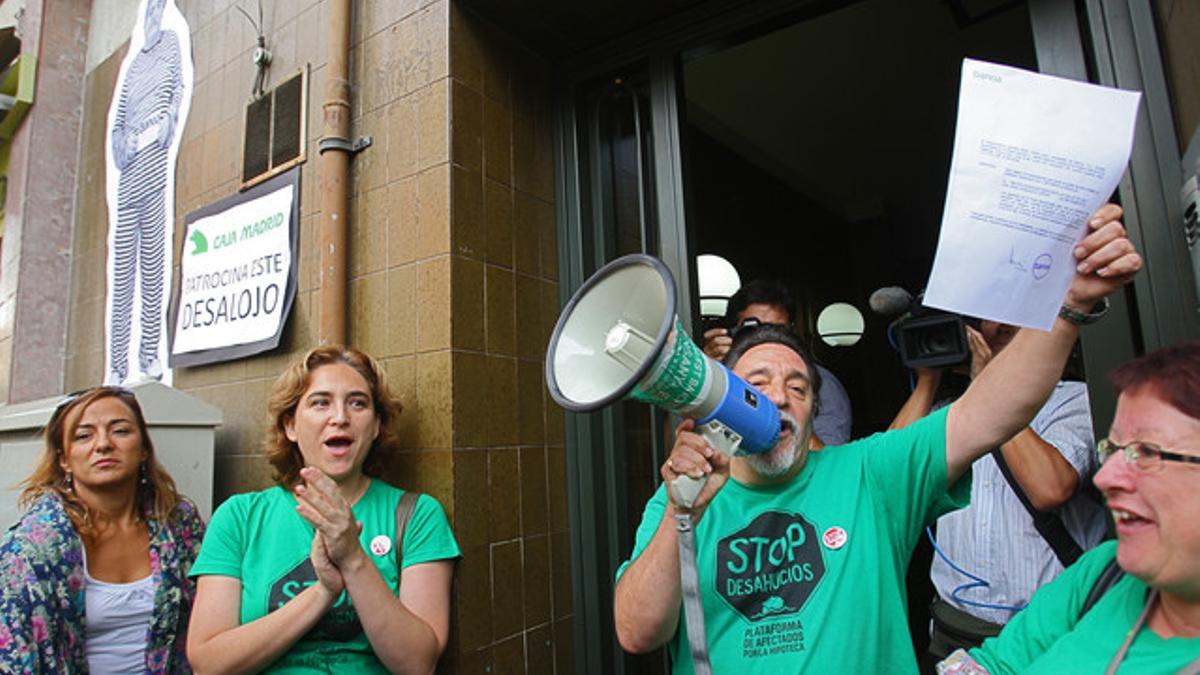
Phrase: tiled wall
(509, 467)
(453, 285)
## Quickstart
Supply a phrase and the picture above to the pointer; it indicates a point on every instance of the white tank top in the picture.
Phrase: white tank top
(118, 618)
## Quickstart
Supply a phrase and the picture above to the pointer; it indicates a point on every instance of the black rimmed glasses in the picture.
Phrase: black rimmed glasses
(1148, 457)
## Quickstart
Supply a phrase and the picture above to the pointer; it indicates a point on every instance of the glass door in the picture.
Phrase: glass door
(614, 205)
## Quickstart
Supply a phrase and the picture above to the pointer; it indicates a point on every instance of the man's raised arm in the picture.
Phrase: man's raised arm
(1009, 392)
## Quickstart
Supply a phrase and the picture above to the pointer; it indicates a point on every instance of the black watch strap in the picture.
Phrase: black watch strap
(1081, 318)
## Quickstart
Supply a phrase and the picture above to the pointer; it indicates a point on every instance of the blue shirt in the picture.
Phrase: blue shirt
(994, 538)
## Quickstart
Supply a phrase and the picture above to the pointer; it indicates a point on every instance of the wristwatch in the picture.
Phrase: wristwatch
(1081, 318)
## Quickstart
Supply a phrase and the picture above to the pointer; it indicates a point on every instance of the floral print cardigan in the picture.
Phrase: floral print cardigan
(42, 584)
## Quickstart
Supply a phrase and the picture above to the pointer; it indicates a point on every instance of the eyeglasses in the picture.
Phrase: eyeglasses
(1148, 457)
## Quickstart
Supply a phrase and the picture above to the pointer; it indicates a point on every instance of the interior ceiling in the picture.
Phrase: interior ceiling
(866, 71)
(561, 28)
(818, 95)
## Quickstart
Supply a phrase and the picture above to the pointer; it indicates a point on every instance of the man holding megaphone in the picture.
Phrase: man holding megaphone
(802, 555)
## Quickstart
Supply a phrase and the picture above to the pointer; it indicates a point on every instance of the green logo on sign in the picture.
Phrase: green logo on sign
(199, 241)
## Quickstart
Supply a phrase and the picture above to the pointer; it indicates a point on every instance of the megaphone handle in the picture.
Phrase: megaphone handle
(722, 439)
(686, 489)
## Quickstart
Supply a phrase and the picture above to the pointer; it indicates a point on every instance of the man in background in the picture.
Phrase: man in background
(1029, 516)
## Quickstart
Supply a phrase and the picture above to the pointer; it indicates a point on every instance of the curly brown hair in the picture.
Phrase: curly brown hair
(156, 499)
(282, 453)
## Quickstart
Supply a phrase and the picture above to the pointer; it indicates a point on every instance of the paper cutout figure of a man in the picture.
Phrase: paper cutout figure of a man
(143, 130)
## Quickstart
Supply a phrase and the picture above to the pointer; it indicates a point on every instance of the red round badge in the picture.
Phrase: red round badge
(834, 538)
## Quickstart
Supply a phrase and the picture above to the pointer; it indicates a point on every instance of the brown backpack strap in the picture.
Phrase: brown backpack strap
(404, 511)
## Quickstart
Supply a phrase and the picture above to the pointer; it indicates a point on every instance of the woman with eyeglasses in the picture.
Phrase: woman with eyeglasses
(305, 576)
(1132, 605)
(93, 577)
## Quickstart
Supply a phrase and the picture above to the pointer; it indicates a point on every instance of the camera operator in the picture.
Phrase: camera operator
(992, 555)
(769, 302)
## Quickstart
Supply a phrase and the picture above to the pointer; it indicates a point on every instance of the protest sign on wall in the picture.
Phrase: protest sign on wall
(238, 275)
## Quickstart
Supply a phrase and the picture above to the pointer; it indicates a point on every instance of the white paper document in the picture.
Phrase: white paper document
(1034, 157)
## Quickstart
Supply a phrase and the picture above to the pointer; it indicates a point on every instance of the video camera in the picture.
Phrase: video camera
(924, 336)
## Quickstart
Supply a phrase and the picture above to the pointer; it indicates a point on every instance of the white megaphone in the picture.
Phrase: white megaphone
(619, 336)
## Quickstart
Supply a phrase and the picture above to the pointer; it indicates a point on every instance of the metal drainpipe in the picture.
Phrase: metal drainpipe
(335, 150)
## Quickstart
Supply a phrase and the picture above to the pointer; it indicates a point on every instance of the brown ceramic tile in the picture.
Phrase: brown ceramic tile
(533, 491)
(497, 140)
(433, 212)
(427, 471)
(474, 601)
(555, 422)
(378, 15)
(402, 380)
(432, 403)
(507, 590)
(564, 646)
(467, 127)
(283, 52)
(402, 132)
(368, 232)
(401, 206)
(309, 262)
(465, 48)
(368, 313)
(370, 165)
(470, 483)
(467, 210)
(530, 342)
(500, 318)
(539, 650)
(560, 566)
(530, 385)
(510, 656)
(556, 473)
(402, 314)
(537, 581)
(548, 242)
(467, 304)
(502, 393)
(523, 154)
(433, 27)
(504, 493)
(471, 400)
(498, 219)
(433, 124)
(308, 40)
(527, 210)
(473, 662)
(497, 68)
(550, 309)
(433, 303)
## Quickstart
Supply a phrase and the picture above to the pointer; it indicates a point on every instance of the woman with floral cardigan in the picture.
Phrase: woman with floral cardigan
(94, 575)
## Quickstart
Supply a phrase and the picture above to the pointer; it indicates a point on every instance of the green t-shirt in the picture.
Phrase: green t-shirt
(260, 539)
(809, 576)
(1049, 636)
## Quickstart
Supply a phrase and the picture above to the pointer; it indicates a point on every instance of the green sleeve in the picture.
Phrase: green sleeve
(651, 517)
(224, 544)
(428, 536)
(1053, 612)
(907, 468)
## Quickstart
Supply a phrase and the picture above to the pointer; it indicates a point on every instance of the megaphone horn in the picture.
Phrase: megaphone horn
(619, 336)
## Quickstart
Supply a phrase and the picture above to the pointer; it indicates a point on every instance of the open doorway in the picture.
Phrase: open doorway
(817, 154)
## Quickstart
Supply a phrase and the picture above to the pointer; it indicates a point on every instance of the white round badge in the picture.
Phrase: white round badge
(834, 538)
(381, 545)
